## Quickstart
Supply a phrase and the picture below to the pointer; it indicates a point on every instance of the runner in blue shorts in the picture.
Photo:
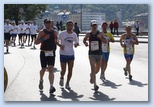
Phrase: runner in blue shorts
(66, 43)
(105, 50)
(127, 41)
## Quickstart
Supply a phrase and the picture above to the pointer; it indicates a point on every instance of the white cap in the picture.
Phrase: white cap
(93, 22)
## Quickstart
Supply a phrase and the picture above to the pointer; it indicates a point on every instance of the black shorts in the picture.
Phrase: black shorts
(33, 36)
(21, 34)
(7, 36)
(49, 60)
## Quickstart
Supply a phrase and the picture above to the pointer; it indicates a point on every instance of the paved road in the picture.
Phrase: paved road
(23, 68)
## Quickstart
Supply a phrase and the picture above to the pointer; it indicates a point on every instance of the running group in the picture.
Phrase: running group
(99, 51)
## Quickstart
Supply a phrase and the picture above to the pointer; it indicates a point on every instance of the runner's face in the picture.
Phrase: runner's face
(48, 25)
(128, 29)
(94, 27)
(69, 26)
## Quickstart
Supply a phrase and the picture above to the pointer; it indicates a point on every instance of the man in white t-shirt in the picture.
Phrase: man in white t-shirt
(27, 32)
(7, 36)
(67, 39)
(14, 32)
(33, 32)
(21, 33)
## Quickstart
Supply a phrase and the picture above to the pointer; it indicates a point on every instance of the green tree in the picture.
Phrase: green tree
(30, 11)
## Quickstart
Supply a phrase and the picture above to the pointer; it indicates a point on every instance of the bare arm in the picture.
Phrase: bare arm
(135, 40)
(121, 40)
(86, 38)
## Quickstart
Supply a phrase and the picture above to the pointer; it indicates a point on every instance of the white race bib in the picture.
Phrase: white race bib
(104, 47)
(129, 50)
(49, 53)
(94, 46)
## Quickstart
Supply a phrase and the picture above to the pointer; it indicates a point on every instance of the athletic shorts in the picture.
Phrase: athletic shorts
(14, 35)
(105, 56)
(95, 58)
(21, 34)
(33, 36)
(7, 36)
(66, 58)
(27, 34)
(128, 56)
(49, 60)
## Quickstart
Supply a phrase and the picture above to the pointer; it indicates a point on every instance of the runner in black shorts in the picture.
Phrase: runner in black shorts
(48, 39)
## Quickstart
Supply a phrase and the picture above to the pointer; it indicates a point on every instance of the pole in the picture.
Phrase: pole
(81, 17)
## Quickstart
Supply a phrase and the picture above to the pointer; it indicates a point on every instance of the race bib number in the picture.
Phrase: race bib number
(129, 50)
(105, 47)
(94, 46)
(49, 53)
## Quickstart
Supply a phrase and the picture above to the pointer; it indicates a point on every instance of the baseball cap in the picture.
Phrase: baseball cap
(47, 20)
(7, 20)
(69, 21)
(93, 22)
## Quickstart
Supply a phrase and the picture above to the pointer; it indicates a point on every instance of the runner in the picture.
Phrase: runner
(14, 32)
(7, 36)
(66, 39)
(105, 50)
(95, 51)
(22, 33)
(48, 39)
(33, 31)
(27, 32)
(127, 41)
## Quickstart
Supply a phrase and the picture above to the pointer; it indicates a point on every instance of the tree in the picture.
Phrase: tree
(22, 11)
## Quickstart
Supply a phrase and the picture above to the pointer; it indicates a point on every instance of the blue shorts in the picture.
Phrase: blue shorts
(105, 56)
(66, 58)
(129, 56)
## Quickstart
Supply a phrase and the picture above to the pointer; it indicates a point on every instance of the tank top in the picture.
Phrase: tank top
(48, 44)
(129, 48)
(95, 44)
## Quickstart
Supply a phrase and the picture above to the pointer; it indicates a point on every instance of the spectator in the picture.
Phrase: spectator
(136, 25)
(111, 26)
(116, 25)
(141, 26)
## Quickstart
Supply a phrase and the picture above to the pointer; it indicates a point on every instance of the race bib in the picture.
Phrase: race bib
(129, 50)
(105, 47)
(94, 46)
(49, 53)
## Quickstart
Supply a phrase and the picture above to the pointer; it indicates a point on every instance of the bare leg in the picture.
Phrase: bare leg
(70, 68)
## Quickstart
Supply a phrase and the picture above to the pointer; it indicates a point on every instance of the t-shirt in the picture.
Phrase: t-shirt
(22, 28)
(27, 30)
(67, 40)
(7, 28)
(15, 29)
(33, 29)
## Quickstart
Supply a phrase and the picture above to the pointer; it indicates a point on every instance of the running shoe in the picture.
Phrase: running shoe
(91, 81)
(52, 90)
(125, 71)
(67, 86)
(96, 88)
(41, 85)
(130, 77)
(102, 77)
(61, 82)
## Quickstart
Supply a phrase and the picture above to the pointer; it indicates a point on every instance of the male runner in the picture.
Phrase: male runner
(105, 50)
(127, 41)
(95, 50)
(48, 38)
(67, 39)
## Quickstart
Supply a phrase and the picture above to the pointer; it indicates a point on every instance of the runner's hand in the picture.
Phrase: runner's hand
(47, 37)
(62, 47)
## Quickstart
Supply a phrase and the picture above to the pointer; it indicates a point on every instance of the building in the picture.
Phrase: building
(88, 16)
(61, 16)
(76, 18)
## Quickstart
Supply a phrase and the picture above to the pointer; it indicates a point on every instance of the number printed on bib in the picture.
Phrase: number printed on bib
(129, 50)
(94, 46)
(49, 53)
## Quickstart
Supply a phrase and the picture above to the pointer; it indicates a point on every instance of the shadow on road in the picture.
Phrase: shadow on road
(70, 94)
(111, 84)
(101, 97)
(137, 83)
(46, 98)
